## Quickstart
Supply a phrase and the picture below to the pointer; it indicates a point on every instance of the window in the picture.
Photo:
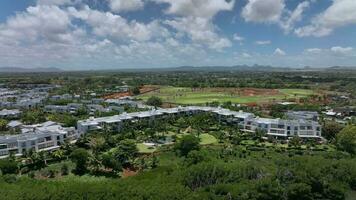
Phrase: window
(3, 153)
(12, 145)
(40, 140)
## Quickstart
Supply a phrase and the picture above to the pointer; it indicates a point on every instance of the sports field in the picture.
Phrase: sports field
(180, 95)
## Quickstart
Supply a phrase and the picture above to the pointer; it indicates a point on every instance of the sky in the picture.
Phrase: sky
(114, 34)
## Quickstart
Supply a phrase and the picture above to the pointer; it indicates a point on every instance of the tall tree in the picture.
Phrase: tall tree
(331, 129)
(187, 144)
(126, 151)
(154, 101)
(346, 139)
(80, 157)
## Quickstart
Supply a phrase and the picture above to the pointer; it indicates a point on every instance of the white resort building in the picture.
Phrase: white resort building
(246, 122)
(50, 135)
(40, 137)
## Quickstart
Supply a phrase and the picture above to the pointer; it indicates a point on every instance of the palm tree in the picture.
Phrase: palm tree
(58, 155)
(96, 143)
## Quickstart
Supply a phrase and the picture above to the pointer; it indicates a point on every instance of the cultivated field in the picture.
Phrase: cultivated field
(180, 95)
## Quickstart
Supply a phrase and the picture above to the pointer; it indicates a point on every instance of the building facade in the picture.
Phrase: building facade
(246, 122)
(40, 137)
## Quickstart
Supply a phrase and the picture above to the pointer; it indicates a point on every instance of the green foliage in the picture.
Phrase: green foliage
(346, 139)
(126, 151)
(295, 142)
(66, 119)
(194, 157)
(64, 169)
(154, 101)
(8, 166)
(110, 162)
(297, 191)
(33, 117)
(187, 144)
(136, 91)
(3, 124)
(80, 157)
(331, 129)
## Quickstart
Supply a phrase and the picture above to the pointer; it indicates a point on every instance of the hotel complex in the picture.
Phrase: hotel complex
(50, 135)
(246, 122)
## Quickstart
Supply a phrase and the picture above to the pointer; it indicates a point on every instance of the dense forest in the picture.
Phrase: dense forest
(211, 173)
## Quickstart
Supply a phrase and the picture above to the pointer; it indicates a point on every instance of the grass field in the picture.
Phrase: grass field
(142, 148)
(179, 95)
(206, 139)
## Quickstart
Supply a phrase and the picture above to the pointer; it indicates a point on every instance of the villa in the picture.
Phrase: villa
(40, 137)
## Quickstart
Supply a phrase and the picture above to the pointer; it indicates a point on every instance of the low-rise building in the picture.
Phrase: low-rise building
(306, 115)
(10, 114)
(61, 97)
(246, 122)
(41, 137)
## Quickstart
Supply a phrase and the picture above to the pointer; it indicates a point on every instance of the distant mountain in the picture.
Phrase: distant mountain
(28, 70)
(341, 68)
(229, 68)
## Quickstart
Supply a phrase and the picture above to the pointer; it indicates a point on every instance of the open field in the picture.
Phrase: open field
(142, 148)
(180, 95)
(205, 138)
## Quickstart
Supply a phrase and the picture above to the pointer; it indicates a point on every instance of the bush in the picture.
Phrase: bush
(64, 169)
(187, 144)
(8, 166)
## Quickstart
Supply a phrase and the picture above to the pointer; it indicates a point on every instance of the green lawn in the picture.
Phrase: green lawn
(206, 139)
(180, 95)
(145, 149)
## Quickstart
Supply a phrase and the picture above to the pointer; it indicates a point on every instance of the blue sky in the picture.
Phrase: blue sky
(109, 34)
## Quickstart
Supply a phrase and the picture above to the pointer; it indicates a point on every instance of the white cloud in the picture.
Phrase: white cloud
(246, 55)
(197, 8)
(57, 2)
(263, 10)
(336, 51)
(238, 38)
(200, 31)
(288, 23)
(263, 42)
(279, 52)
(341, 50)
(125, 5)
(313, 50)
(340, 13)
(118, 28)
(62, 36)
(45, 23)
(274, 12)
